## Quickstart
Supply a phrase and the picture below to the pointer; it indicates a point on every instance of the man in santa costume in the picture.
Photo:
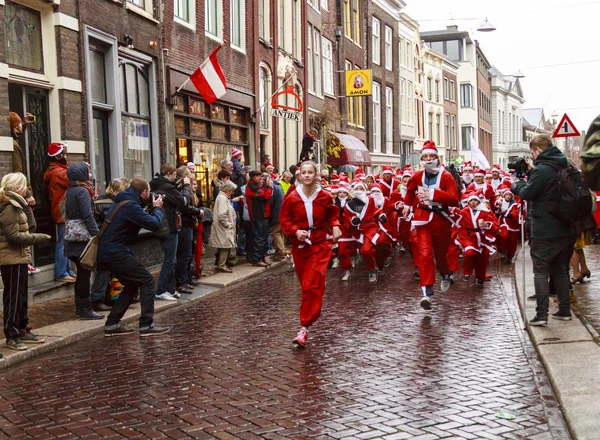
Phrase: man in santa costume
(477, 229)
(431, 192)
(347, 244)
(480, 184)
(388, 232)
(388, 183)
(497, 179)
(510, 226)
(467, 176)
(364, 218)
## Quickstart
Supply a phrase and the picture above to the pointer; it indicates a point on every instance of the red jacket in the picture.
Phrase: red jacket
(257, 198)
(387, 189)
(57, 181)
(443, 193)
(369, 227)
(470, 236)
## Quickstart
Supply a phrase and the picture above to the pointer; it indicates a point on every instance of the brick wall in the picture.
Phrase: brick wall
(4, 108)
(71, 115)
(5, 163)
(68, 52)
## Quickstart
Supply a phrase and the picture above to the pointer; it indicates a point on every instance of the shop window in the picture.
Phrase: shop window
(179, 105)
(23, 37)
(237, 116)
(199, 129)
(181, 126)
(198, 107)
(218, 112)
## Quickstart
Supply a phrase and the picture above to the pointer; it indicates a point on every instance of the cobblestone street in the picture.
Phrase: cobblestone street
(588, 301)
(376, 366)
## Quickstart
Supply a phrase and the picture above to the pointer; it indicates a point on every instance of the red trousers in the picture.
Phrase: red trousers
(311, 263)
(473, 260)
(508, 242)
(346, 250)
(453, 257)
(433, 239)
(368, 251)
(382, 252)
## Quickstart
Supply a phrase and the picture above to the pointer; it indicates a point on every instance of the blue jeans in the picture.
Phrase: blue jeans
(166, 279)
(260, 232)
(184, 256)
(100, 285)
(61, 263)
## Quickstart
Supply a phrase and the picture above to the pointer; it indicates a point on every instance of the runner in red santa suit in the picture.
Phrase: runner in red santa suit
(364, 218)
(431, 192)
(497, 179)
(387, 232)
(388, 183)
(347, 244)
(510, 224)
(467, 176)
(310, 218)
(479, 183)
(477, 230)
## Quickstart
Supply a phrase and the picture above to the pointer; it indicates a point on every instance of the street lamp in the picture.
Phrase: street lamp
(519, 74)
(486, 26)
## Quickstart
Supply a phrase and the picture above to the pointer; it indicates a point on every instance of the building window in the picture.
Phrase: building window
(430, 89)
(430, 126)
(437, 90)
(348, 24)
(324, 5)
(182, 10)
(212, 24)
(350, 101)
(327, 67)
(264, 95)
(388, 47)
(23, 37)
(317, 68)
(446, 91)
(376, 117)
(403, 104)
(296, 24)
(356, 21)
(438, 129)
(263, 19)
(389, 121)
(238, 23)
(447, 131)
(453, 132)
(314, 4)
(409, 103)
(452, 91)
(467, 131)
(310, 59)
(401, 51)
(466, 95)
(376, 41)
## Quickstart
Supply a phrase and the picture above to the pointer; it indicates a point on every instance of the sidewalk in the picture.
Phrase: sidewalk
(66, 332)
(571, 358)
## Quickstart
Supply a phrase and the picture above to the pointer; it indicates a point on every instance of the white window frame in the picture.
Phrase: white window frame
(324, 5)
(264, 31)
(191, 7)
(218, 23)
(410, 103)
(310, 60)
(327, 67)
(242, 25)
(376, 117)
(317, 65)
(446, 89)
(314, 4)
(453, 132)
(264, 85)
(469, 95)
(409, 55)
(389, 36)
(146, 10)
(401, 50)
(402, 100)
(389, 120)
(452, 91)
(376, 41)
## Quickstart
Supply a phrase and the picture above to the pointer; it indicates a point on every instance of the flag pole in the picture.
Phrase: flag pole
(276, 91)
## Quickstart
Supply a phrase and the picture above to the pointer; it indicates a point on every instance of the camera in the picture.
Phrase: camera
(30, 118)
(520, 166)
(153, 194)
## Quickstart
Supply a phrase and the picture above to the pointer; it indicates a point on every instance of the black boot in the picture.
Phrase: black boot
(83, 309)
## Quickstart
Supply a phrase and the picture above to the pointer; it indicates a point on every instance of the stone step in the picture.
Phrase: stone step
(47, 291)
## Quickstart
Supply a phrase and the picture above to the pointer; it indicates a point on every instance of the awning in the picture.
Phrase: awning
(353, 153)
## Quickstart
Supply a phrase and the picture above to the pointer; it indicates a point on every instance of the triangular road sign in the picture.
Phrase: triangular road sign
(565, 128)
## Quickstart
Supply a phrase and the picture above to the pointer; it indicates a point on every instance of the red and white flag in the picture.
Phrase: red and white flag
(209, 79)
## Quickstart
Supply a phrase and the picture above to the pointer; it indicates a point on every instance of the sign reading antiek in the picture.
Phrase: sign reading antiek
(286, 111)
(358, 82)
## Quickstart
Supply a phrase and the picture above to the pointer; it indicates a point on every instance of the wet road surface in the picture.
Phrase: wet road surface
(376, 366)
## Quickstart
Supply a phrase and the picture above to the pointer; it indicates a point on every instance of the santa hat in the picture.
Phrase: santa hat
(361, 176)
(268, 164)
(334, 177)
(360, 170)
(407, 172)
(15, 119)
(370, 175)
(191, 164)
(479, 173)
(475, 195)
(274, 176)
(429, 148)
(375, 187)
(297, 173)
(357, 183)
(398, 171)
(489, 175)
(468, 166)
(496, 167)
(345, 187)
(344, 178)
(55, 149)
(387, 169)
(334, 189)
(236, 153)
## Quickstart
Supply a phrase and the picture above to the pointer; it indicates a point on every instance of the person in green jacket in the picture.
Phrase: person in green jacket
(552, 240)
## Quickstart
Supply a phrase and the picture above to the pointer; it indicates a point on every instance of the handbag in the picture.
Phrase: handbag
(77, 231)
(90, 252)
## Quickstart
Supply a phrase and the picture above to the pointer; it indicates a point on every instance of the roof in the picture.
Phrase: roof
(533, 116)
(451, 33)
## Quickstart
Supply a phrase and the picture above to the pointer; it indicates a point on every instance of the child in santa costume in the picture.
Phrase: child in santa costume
(510, 226)
(477, 230)
(364, 218)
(387, 230)
(431, 192)
(388, 182)
(479, 184)
(310, 218)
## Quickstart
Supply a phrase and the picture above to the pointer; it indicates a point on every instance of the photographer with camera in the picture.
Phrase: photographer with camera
(176, 196)
(552, 239)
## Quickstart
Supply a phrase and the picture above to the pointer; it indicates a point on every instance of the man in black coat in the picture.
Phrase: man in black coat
(308, 146)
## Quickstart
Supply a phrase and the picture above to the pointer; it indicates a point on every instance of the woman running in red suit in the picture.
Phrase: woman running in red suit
(510, 226)
(310, 218)
(431, 192)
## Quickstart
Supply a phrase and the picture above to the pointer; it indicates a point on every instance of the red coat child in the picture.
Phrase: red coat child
(388, 186)
(510, 226)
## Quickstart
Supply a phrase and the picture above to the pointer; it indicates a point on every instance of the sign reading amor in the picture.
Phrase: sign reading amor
(358, 82)
(286, 111)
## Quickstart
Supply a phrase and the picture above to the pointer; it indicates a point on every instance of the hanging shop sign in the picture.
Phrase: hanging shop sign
(358, 82)
(286, 111)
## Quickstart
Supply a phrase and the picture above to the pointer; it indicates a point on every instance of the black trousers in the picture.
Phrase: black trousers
(82, 282)
(15, 279)
(260, 233)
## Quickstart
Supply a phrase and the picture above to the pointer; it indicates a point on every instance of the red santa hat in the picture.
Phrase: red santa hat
(56, 148)
(387, 169)
(236, 153)
(274, 176)
(268, 164)
(345, 187)
(479, 173)
(496, 167)
(375, 187)
(370, 175)
(335, 177)
(361, 177)
(475, 195)
(358, 183)
(398, 171)
(429, 148)
(344, 178)
(468, 166)
(297, 173)
(334, 189)
(407, 172)
(489, 175)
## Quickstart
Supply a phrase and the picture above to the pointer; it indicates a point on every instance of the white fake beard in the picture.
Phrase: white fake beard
(343, 201)
(467, 178)
(505, 206)
(362, 196)
(379, 199)
(431, 166)
(482, 207)
(403, 191)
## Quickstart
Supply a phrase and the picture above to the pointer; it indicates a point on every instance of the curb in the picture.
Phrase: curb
(88, 329)
(570, 354)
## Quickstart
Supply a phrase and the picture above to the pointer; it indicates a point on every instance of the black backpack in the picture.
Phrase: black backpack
(573, 202)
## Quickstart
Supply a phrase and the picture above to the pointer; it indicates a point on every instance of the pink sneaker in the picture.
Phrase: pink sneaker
(32, 269)
(300, 339)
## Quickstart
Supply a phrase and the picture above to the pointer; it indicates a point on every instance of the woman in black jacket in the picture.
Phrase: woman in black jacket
(79, 228)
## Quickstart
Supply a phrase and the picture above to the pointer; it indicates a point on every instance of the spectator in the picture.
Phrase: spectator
(285, 181)
(308, 146)
(115, 255)
(185, 243)
(276, 234)
(222, 235)
(223, 176)
(226, 165)
(15, 255)
(17, 125)
(58, 182)
(292, 171)
(80, 228)
(552, 240)
(245, 238)
(266, 159)
(237, 173)
(258, 193)
(192, 167)
(101, 300)
(174, 201)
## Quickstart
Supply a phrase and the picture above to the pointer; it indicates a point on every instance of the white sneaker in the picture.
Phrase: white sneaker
(445, 285)
(335, 264)
(165, 296)
(425, 303)
(346, 276)
(176, 295)
(373, 276)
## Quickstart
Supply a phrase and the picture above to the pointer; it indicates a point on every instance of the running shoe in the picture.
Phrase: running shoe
(165, 296)
(300, 339)
(425, 303)
(32, 269)
(445, 285)
(346, 276)
(373, 276)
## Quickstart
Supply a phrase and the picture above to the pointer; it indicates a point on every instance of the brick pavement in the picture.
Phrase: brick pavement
(377, 366)
(588, 301)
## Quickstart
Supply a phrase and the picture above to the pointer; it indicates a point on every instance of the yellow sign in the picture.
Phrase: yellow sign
(358, 82)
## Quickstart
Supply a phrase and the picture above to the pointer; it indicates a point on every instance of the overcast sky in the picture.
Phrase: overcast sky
(531, 34)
